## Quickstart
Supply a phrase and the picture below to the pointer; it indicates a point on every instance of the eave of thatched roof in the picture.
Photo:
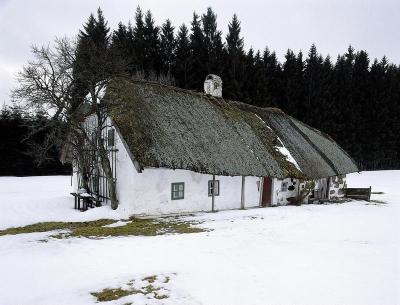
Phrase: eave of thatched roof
(173, 128)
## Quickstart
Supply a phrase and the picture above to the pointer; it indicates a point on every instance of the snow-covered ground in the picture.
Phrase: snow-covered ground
(312, 254)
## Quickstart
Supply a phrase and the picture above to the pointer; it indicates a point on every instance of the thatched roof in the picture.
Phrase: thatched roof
(173, 128)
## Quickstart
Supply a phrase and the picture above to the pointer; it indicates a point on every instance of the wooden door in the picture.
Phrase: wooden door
(266, 192)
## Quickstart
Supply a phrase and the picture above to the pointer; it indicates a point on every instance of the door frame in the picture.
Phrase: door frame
(262, 191)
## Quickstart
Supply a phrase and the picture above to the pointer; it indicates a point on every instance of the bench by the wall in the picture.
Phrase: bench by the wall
(358, 193)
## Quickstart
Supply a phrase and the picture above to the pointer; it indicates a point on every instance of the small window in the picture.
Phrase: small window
(284, 186)
(211, 187)
(177, 190)
(110, 137)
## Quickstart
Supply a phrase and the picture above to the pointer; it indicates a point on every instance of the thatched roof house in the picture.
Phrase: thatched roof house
(171, 150)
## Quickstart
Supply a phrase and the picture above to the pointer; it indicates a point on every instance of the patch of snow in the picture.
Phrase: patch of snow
(284, 151)
(313, 254)
(28, 200)
(119, 223)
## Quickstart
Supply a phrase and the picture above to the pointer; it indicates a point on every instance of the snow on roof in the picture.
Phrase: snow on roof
(180, 129)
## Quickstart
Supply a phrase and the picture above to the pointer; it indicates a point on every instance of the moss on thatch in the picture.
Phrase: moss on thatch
(179, 129)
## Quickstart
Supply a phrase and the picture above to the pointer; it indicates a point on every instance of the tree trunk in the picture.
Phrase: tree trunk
(105, 163)
(84, 170)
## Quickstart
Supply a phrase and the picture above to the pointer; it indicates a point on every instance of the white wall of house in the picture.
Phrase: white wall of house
(149, 192)
(284, 189)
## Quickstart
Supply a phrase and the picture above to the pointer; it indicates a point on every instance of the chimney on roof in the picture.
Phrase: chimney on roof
(213, 85)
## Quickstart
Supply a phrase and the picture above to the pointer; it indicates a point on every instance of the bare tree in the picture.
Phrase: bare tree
(47, 84)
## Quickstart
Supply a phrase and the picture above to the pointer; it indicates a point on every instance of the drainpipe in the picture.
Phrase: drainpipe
(213, 195)
(243, 190)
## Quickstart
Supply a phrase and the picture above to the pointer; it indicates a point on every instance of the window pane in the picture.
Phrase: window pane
(211, 187)
(178, 190)
(110, 137)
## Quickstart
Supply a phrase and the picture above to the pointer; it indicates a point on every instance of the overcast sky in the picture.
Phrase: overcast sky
(332, 25)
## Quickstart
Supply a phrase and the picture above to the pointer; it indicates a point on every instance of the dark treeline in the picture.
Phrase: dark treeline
(353, 99)
(17, 149)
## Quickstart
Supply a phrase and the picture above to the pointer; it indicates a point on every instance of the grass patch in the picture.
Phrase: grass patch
(110, 294)
(138, 227)
(147, 288)
(150, 279)
(96, 229)
(52, 226)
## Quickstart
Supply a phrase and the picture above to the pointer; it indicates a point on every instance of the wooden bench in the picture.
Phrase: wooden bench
(358, 193)
(87, 201)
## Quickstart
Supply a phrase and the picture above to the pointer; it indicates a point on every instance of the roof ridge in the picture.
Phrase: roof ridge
(202, 94)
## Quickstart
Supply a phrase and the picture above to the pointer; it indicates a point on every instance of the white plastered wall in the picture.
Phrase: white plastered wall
(149, 192)
(280, 197)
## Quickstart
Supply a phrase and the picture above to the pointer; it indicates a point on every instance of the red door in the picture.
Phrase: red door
(267, 192)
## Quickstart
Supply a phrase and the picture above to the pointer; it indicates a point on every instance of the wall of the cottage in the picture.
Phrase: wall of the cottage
(337, 184)
(286, 190)
(149, 192)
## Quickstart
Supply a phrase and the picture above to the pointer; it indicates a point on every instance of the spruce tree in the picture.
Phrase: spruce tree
(139, 42)
(122, 47)
(272, 79)
(212, 42)
(234, 61)
(167, 47)
(182, 57)
(93, 60)
(293, 84)
(151, 46)
(198, 56)
(313, 106)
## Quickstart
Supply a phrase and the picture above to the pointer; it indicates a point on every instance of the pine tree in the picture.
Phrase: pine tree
(257, 86)
(293, 84)
(313, 87)
(182, 60)
(151, 46)
(272, 79)
(212, 42)
(198, 55)
(234, 61)
(139, 42)
(121, 49)
(167, 47)
(93, 60)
